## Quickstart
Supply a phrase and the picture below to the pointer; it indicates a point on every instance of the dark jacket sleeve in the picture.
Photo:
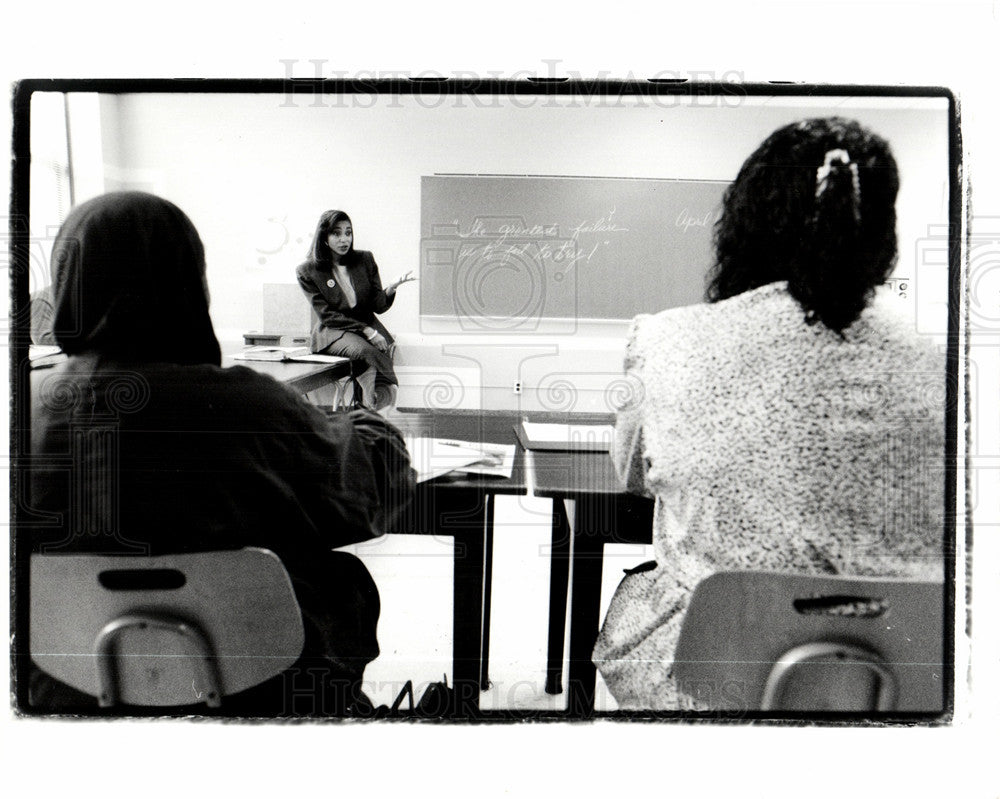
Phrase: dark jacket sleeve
(395, 480)
(380, 301)
(353, 474)
(329, 316)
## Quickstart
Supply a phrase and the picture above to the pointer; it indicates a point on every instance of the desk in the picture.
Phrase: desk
(462, 507)
(301, 376)
(602, 513)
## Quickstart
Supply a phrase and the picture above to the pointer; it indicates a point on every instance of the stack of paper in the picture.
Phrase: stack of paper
(566, 437)
(433, 457)
(497, 461)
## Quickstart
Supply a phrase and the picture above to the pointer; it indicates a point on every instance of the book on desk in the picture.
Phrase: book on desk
(294, 354)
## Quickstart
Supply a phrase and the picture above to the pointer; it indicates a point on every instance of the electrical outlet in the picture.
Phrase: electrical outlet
(517, 387)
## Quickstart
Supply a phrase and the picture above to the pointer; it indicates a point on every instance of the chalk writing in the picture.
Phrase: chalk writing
(519, 229)
(506, 240)
(603, 225)
(505, 230)
(687, 220)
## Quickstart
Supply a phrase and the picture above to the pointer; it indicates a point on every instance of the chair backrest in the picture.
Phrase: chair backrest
(286, 309)
(163, 631)
(765, 641)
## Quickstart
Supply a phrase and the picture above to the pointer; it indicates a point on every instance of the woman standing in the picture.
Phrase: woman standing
(791, 424)
(346, 292)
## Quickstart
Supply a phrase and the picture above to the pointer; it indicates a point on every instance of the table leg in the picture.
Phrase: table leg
(585, 606)
(467, 631)
(461, 516)
(484, 679)
(558, 586)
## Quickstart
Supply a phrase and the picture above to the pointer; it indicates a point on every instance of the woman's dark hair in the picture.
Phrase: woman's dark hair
(319, 251)
(815, 206)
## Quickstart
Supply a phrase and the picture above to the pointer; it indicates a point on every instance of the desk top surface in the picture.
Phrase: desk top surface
(285, 370)
(289, 372)
(44, 356)
(550, 474)
(472, 427)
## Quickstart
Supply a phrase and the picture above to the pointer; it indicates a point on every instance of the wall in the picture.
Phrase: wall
(255, 171)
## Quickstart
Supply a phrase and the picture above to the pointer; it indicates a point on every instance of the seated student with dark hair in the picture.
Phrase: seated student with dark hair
(791, 424)
(198, 457)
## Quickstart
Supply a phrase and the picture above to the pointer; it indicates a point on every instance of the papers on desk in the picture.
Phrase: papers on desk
(296, 354)
(265, 353)
(566, 437)
(433, 457)
(497, 461)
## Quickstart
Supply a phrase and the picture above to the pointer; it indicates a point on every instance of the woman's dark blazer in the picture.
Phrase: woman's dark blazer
(333, 315)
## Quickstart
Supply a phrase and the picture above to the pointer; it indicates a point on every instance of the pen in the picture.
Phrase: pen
(458, 444)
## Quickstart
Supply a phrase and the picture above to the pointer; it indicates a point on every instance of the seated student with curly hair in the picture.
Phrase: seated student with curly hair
(792, 423)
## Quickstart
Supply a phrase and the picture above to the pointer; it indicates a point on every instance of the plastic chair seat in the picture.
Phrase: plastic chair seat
(163, 631)
(781, 642)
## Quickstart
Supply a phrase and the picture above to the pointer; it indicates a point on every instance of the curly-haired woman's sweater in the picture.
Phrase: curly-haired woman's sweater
(770, 444)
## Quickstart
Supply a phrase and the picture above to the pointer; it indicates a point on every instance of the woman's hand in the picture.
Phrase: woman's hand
(377, 339)
(399, 281)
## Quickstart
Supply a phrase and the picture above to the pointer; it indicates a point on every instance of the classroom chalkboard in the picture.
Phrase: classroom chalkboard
(509, 251)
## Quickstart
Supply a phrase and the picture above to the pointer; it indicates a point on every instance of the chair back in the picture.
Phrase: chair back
(163, 631)
(765, 641)
(286, 309)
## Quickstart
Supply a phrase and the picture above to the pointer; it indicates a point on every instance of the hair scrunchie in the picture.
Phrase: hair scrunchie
(836, 158)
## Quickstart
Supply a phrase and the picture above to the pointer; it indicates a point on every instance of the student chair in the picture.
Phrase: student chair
(163, 631)
(780, 642)
(348, 391)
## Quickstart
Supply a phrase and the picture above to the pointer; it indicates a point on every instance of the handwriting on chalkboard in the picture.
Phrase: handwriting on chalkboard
(603, 225)
(517, 239)
(687, 220)
(562, 247)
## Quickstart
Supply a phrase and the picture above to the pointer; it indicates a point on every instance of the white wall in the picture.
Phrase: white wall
(255, 171)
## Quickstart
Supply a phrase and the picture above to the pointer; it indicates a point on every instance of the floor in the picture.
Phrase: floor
(414, 578)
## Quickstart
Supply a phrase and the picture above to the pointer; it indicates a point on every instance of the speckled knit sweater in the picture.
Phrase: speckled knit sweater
(774, 445)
